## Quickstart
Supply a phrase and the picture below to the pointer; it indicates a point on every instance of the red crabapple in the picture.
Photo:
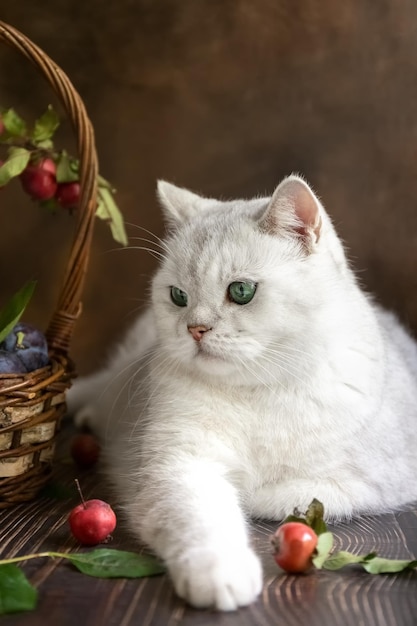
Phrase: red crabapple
(68, 195)
(85, 450)
(39, 179)
(294, 544)
(92, 521)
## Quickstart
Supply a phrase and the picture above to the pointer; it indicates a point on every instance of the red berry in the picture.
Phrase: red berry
(92, 522)
(39, 181)
(294, 544)
(48, 165)
(68, 195)
(2, 126)
(85, 450)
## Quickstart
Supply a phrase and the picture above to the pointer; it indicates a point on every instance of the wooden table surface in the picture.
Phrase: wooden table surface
(348, 597)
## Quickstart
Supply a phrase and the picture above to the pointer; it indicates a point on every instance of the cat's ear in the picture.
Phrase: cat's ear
(294, 209)
(179, 204)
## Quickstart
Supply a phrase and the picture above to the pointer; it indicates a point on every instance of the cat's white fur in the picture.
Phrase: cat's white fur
(309, 390)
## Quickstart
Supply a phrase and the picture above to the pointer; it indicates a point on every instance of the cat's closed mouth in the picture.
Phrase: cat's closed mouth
(205, 353)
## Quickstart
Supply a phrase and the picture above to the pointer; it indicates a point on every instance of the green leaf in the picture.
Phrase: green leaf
(108, 210)
(372, 563)
(67, 170)
(314, 517)
(319, 526)
(16, 592)
(47, 144)
(14, 124)
(45, 126)
(102, 182)
(11, 313)
(14, 165)
(323, 549)
(341, 559)
(110, 563)
(378, 565)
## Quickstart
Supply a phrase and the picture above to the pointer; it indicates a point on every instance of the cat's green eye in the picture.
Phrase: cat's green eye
(241, 292)
(178, 296)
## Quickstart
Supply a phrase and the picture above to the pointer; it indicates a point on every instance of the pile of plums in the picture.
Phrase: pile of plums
(23, 350)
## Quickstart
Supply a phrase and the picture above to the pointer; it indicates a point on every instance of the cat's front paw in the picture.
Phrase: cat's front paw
(224, 580)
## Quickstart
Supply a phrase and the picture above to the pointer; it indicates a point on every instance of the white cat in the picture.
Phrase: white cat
(260, 377)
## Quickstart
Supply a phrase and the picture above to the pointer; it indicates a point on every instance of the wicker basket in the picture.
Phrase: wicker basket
(31, 405)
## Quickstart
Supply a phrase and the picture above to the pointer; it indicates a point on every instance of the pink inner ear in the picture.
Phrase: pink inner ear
(293, 209)
(305, 207)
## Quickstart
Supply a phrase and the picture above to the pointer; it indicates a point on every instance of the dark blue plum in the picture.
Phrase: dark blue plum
(29, 344)
(10, 363)
(32, 358)
(25, 336)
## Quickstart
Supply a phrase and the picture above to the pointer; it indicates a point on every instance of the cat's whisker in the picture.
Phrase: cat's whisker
(154, 243)
(288, 366)
(254, 374)
(143, 302)
(146, 230)
(158, 255)
(139, 384)
(159, 369)
(285, 347)
(298, 356)
(162, 242)
(139, 387)
(279, 359)
(289, 359)
(143, 357)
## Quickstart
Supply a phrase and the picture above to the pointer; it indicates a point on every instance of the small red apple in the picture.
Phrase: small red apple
(92, 522)
(39, 179)
(294, 544)
(85, 450)
(48, 165)
(68, 195)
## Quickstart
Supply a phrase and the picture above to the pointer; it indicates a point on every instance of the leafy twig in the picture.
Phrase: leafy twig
(25, 146)
(17, 594)
(325, 558)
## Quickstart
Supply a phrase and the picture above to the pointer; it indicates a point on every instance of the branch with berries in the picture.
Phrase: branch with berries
(302, 542)
(50, 176)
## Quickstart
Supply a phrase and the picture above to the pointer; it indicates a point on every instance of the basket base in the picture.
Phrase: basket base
(25, 487)
(31, 409)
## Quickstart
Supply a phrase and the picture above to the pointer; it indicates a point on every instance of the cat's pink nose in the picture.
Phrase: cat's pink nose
(198, 331)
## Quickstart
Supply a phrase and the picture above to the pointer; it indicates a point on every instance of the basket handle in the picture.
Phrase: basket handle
(68, 308)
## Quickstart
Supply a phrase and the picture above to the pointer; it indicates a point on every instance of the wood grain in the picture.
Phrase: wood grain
(350, 597)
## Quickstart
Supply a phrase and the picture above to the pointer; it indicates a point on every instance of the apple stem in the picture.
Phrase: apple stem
(80, 492)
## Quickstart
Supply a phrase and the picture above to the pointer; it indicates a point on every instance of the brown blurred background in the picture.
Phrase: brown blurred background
(225, 97)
